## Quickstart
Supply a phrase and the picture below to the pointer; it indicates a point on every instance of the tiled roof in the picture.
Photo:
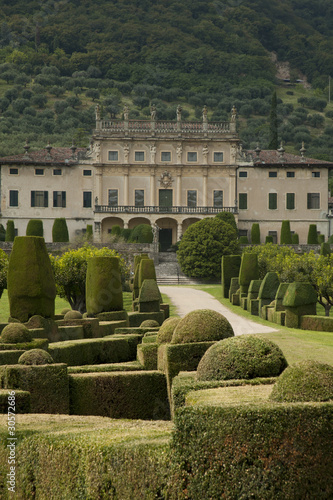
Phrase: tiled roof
(272, 157)
(56, 155)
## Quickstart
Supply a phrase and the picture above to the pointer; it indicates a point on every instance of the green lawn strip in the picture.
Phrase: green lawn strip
(296, 344)
(229, 395)
(173, 307)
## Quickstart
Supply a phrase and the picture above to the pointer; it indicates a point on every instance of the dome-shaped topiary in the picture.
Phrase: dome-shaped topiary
(35, 357)
(202, 325)
(304, 381)
(243, 357)
(72, 315)
(149, 323)
(165, 333)
(65, 310)
(15, 333)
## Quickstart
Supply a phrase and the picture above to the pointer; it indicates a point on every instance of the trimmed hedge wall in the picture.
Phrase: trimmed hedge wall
(47, 384)
(262, 451)
(94, 458)
(317, 323)
(136, 318)
(147, 355)
(22, 403)
(137, 395)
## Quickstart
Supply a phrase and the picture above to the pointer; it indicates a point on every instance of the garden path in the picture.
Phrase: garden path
(188, 299)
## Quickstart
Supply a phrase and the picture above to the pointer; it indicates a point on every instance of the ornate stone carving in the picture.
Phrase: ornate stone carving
(166, 180)
(153, 112)
(205, 152)
(179, 152)
(97, 112)
(126, 111)
(204, 114)
(126, 152)
(179, 113)
(152, 153)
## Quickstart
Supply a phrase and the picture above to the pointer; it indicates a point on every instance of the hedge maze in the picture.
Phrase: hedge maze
(141, 406)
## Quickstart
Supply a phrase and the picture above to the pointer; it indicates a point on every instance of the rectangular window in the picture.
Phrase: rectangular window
(39, 171)
(243, 174)
(218, 157)
(39, 198)
(192, 156)
(113, 156)
(87, 199)
(13, 198)
(59, 199)
(290, 201)
(57, 171)
(272, 174)
(87, 173)
(191, 198)
(290, 174)
(218, 199)
(13, 171)
(242, 201)
(272, 201)
(315, 174)
(139, 197)
(139, 156)
(165, 156)
(313, 200)
(113, 197)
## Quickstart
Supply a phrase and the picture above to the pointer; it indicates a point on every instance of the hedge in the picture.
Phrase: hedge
(230, 266)
(22, 403)
(60, 230)
(137, 395)
(47, 384)
(317, 323)
(253, 450)
(149, 296)
(249, 270)
(92, 351)
(25, 346)
(147, 355)
(136, 318)
(35, 228)
(10, 357)
(92, 458)
(103, 285)
(10, 231)
(312, 235)
(285, 238)
(128, 366)
(255, 234)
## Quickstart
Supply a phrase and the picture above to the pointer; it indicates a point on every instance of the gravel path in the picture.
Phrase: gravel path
(189, 299)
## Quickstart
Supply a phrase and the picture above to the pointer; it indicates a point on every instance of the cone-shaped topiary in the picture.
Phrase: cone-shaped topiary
(268, 239)
(285, 238)
(230, 266)
(10, 231)
(304, 381)
(35, 228)
(165, 333)
(325, 248)
(243, 357)
(103, 285)
(255, 234)
(202, 325)
(60, 231)
(149, 296)
(35, 357)
(31, 285)
(136, 287)
(312, 235)
(295, 239)
(15, 333)
(146, 271)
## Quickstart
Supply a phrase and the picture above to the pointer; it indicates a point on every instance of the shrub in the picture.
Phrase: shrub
(149, 296)
(166, 330)
(202, 246)
(268, 239)
(229, 269)
(304, 381)
(285, 238)
(89, 232)
(255, 234)
(312, 235)
(60, 230)
(243, 357)
(321, 238)
(249, 269)
(202, 325)
(269, 286)
(15, 333)
(149, 322)
(142, 234)
(72, 314)
(103, 285)
(35, 228)
(243, 240)
(299, 294)
(294, 239)
(35, 357)
(146, 270)
(325, 248)
(227, 217)
(10, 231)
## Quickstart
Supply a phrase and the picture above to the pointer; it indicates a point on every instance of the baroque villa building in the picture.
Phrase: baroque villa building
(169, 174)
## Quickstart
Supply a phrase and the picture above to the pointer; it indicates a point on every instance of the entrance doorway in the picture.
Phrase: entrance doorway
(165, 236)
(165, 199)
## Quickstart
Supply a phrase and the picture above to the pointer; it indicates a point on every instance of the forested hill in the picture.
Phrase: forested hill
(173, 42)
(58, 58)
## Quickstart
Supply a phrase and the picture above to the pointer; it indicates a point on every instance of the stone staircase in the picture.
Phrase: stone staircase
(168, 271)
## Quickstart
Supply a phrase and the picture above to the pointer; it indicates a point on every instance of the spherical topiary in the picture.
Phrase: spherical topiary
(72, 315)
(202, 325)
(243, 357)
(304, 381)
(165, 333)
(65, 310)
(15, 333)
(149, 323)
(35, 357)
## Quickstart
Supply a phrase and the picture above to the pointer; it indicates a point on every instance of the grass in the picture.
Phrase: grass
(296, 344)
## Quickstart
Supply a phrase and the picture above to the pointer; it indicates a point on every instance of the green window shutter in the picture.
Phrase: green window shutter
(272, 201)
(32, 198)
(242, 201)
(63, 198)
(290, 201)
(46, 198)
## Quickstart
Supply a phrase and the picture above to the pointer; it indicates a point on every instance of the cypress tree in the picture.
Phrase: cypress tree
(255, 234)
(273, 124)
(10, 231)
(285, 238)
(312, 235)
(60, 231)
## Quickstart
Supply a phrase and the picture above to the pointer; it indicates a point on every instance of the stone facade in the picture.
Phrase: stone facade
(169, 174)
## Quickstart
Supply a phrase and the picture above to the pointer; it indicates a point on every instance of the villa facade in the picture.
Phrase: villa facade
(169, 174)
